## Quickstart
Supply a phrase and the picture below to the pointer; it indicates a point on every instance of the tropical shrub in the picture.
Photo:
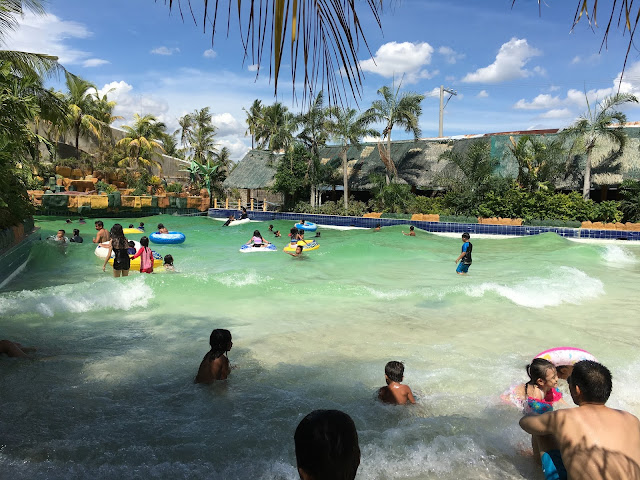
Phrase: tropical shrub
(422, 204)
(630, 204)
(458, 219)
(536, 222)
(174, 187)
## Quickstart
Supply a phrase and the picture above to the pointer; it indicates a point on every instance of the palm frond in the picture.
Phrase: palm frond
(37, 64)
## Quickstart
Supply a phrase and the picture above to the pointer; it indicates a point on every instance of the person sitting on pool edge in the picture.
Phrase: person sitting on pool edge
(411, 232)
(215, 364)
(326, 444)
(592, 441)
(162, 228)
(465, 256)
(394, 392)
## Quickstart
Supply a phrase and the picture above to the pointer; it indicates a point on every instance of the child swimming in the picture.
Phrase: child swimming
(168, 263)
(215, 364)
(394, 392)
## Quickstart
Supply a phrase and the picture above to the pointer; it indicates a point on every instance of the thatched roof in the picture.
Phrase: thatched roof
(256, 170)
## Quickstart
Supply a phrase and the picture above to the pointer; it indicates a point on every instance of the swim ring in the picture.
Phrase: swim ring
(561, 356)
(131, 231)
(251, 249)
(308, 245)
(101, 251)
(135, 263)
(171, 237)
(306, 226)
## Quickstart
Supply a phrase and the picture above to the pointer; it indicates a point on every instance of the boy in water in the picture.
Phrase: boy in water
(592, 441)
(215, 364)
(395, 392)
(465, 256)
(327, 447)
(411, 232)
(60, 237)
(141, 227)
(297, 253)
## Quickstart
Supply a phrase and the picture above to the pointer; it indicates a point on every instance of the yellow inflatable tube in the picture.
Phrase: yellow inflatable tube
(135, 263)
(131, 231)
(307, 246)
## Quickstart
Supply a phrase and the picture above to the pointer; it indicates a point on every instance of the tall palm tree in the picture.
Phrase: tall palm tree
(595, 125)
(203, 144)
(347, 128)
(539, 162)
(395, 109)
(254, 116)
(313, 135)
(186, 124)
(223, 157)
(276, 130)
(81, 103)
(142, 142)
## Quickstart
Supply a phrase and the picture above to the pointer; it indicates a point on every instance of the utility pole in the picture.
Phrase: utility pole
(442, 105)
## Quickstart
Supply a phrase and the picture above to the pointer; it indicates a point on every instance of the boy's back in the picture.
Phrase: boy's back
(396, 393)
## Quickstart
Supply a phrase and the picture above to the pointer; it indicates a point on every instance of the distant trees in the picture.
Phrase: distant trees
(142, 142)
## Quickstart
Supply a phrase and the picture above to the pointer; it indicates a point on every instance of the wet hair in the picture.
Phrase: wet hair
(99, 223)
(168, 259)
(594, 380)
(68, 220)
(117, 236)
(538, 369)
(144, 241)
(270, 227)
(394, 370)
(411, 228)
(61, 230)
(131, 225)
(299, 247)
(326, 443)
(76, 231)
(256, 233)
(160, 226)
(219, 341)
(466, 235)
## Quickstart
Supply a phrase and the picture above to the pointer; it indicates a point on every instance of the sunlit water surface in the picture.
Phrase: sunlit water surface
(109, 392)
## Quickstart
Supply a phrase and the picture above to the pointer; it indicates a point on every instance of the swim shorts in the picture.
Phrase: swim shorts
(552, 466)
(462, 268)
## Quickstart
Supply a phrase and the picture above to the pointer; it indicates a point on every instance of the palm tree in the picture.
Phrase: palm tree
(81, 103)
(186, 123)
(539, 162)
(224, 159)
(314, 134)
(142, 142)
(594, 126)
(254, 116)
(276, 129)
(327, 31)
(202, 143)
(347, 128)
(394, 109)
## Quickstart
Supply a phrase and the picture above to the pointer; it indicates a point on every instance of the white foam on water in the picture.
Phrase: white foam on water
(617, 256)
(564, 285)
(102, 294)
(390, 295)
(241, 279)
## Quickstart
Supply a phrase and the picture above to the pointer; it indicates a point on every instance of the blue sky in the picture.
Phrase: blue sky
(512, 69)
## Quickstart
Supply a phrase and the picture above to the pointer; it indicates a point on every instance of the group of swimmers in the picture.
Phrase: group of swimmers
(589, 442)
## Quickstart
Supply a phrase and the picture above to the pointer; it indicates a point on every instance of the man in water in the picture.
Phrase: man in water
(102, 236)
(592, 441)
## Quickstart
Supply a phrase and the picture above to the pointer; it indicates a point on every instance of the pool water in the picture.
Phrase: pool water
(109, 392)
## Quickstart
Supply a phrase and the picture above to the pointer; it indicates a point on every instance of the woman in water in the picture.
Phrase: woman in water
(257, 240)
(215, 364)
(119, 247)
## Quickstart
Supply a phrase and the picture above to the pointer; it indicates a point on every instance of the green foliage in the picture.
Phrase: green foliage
(401, 216)
(355, 209)
(174, 187)
(458, 219)
(290, 178)
(536, 222)
(630, 204)
(105, 187)
(139, 191)
(429, 205)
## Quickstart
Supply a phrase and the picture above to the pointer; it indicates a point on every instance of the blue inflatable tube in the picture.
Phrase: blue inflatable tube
(306, 226)
(166, 238)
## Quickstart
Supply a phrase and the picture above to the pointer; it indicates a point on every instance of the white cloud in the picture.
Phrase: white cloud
(48, 34)
(227, 125)
(554, 88)
(253, 68)
(590, 60)
(210, 53)
(558, 113)
(434, 92)
(508, 65)
(395, 59)
(541, 102)
(482, 94)
(94, 62)
(576, 59)
(127, 103)
(165, 51)
(371, 139)
(450, 55)
(237, 148)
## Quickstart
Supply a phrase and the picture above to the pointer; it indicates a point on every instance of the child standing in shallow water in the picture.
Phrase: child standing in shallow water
(465, 256)
(215, 364)
(395, 392)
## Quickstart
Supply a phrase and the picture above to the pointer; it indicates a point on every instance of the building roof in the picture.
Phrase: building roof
(256, 170)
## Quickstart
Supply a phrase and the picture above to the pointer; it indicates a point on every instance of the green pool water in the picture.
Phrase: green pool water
(110, 390)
